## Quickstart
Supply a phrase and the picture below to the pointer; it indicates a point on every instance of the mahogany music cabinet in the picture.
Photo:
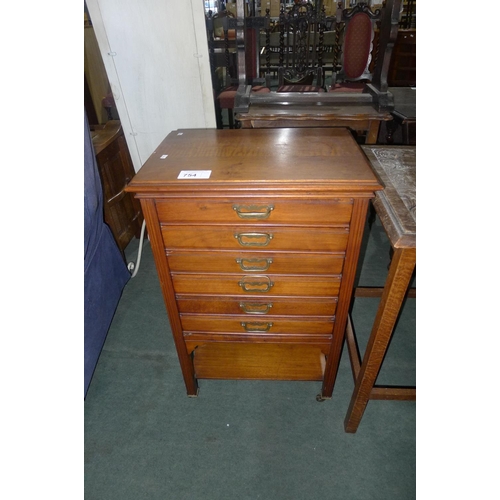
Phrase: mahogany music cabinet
(256, 235)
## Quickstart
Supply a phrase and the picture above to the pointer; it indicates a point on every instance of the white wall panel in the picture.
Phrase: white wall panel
(158, 69)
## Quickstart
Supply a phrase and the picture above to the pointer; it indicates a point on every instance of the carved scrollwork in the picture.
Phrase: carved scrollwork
(360, 7)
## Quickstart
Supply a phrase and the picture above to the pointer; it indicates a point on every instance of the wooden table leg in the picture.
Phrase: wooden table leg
(372, 132)
(398, 280)
(390, 127)
(406, 133)
(218, 114)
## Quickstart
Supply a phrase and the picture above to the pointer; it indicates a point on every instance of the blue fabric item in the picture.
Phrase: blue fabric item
(105, 271)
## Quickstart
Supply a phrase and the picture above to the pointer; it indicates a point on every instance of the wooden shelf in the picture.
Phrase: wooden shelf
(265, 361)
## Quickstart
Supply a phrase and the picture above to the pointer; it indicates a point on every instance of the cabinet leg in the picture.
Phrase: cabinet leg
(326, 391)
(194, 395)
(192, 388)
(187, 366)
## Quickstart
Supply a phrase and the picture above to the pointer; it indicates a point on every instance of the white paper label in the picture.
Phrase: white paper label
(194, 174)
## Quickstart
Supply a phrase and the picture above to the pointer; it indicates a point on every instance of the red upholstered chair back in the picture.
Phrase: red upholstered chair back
(357, 45)
(356, 27)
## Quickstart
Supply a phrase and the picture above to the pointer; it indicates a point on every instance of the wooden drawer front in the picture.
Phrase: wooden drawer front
(253, 211)
(257, 307)
(255, 284)
(256, 262)
(252, 238)
(269, 325)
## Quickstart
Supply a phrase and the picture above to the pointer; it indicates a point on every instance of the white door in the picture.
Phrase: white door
(156, 57)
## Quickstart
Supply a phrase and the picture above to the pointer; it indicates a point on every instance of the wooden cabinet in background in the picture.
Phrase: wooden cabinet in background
(122, 213)
(256, 236)
(403, 68)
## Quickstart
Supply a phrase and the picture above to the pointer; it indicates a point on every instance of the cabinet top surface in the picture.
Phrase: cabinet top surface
(197, 159)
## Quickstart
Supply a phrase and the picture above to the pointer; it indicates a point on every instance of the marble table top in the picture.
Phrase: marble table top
(396, 205)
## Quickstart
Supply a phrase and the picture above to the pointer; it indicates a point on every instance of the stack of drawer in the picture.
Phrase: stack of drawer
(252, 274)
(265, 270)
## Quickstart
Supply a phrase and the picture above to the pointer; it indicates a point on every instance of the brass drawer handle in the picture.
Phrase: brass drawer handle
(255, 308)
(253, 211)
(256, 327)
(248, 284)
(254, 239)
(254, 264)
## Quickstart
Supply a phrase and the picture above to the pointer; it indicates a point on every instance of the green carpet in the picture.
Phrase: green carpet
(270, 440)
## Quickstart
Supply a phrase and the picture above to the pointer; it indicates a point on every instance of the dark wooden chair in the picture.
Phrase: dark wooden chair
(359, 66)
(355, 37)
(224, 62)
(298, 48)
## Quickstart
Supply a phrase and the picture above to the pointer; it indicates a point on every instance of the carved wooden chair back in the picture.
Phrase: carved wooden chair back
(300, 34)
(330, 51)
(355, 40)
(269, 44)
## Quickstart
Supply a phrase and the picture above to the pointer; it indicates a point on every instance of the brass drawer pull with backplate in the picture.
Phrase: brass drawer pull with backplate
(254, 239)
(255, 308)
(254, 264)
(249, 284)
(256, 327)
(253, 211)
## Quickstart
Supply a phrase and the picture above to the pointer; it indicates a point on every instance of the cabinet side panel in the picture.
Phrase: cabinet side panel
(351, 262)
(153, 225)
